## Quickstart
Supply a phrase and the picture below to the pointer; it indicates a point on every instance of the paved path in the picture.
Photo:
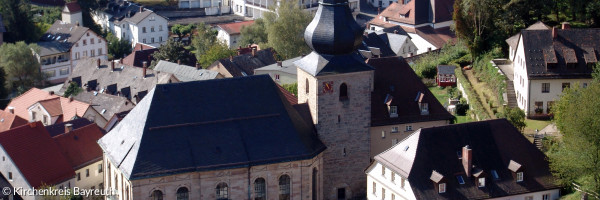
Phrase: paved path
(507, 69)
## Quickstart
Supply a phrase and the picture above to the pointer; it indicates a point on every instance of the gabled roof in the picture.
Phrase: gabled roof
(245, 64)
(415, 13)
(395, 78)
(72, 7)
(59, 128)
(244, 122)
(9, 120)
(494, 144)
(437, 37)
(323, 64)
(374, 40)
(137, 57)
(514, 40)
(54, 104)
(574, 46)
(65, 33)
(287, 66)
(185, 73)
(125, 79)
(446, 69)
(105, 104)
(36, 155)
(80, 146)
(234, 28)
(126, 11)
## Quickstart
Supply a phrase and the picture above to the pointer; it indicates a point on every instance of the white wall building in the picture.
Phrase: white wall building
(257, 8)
(134, 23)
(544, 65)
(230, 33)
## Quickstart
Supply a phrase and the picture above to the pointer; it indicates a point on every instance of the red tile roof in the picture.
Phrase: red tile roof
(36, 155)
(137, 57)
(80, 146)
(34, 95)
(73, 7)
(52, 106)
(293, 100)
(235, 27)
(9, 121)
(141, 46)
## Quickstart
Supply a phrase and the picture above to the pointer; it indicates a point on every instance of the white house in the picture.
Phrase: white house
(63, 45)
(546, 61)
(134, 23)
(71, 13)
(282, 72)
(256, 8)
(230, 33)
(463, 161)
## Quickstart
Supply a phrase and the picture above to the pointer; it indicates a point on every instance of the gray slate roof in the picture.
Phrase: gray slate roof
(126, 11)
(128, 81)
(445, 69)
(323, 64)
(110, 104)
(185, 73)
(287, 66)
(53, 47)
(60, 37)
(220, 123)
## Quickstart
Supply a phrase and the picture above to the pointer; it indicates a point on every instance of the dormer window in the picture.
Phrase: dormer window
(516, 169)
(424, 108)
(438, 181)
(481, 182)
(519, 176)
(393, 111)
(442, 188)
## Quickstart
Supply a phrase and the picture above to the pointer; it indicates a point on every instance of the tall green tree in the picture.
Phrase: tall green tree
(20, 65)
(254, 34)
(218, 51)
(206, 37)
(172, 51)
(285, 27)
(515, 116)
(577, 157)
(117, 48)
(473, 23)
(182, 30)
(18, 21)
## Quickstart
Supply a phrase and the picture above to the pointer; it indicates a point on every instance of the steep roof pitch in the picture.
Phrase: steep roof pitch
(375, 40)
(494, 145)
(245, 64)
(127, 11)
(9, 120)
(106, 105)
(52, 102)
(72, 7)
(394, 78)
(415, 13)
(137, 57)
(245, 121)
(36, 155)
(80, 146)
(64, 32)
(570, 52)
(437, 37)
(185, 73)
(514, 40)
(235, 27)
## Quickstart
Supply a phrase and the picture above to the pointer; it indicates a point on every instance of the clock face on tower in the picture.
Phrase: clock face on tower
(328, 87)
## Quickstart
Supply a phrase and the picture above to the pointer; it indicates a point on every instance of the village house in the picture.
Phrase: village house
(426, 22)
(31, 158)
(9, 120)
(71, 13)
(445, 75)
(546, 60)
(398, 42)
(113, 78)
(105, 104)
(141, 53)
(230, 33)
(132, 22)
(244, 64)
(477, 160)
(282, 72)
(186, 73)
(256, 8)
(64, 45)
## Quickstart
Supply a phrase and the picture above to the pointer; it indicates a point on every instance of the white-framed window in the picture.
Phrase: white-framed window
(160, 28)
(84, 53)
(92, 52)
(84, 42)
(393, 111)
(383, 170)
(393, 177)
(382, 193)
(143, 29)
(374, 188)
(276, 76)
(91, 41)
(519, 176)
(481, 182)
(394, 129)
(64, 71)
(442, 188)
(144, 40)
(402, 182)
(10, 177)
(160, 39)
(99, 51)
(152, 29)
(546, 197)
(152, 40)
(409, 128)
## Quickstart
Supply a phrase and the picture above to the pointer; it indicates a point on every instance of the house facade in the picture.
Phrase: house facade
(282, 72)
(256, 8)
(546, 61)
(445, 75)
(230, 33)
(463, 161)
(133, 23)
(63, 45)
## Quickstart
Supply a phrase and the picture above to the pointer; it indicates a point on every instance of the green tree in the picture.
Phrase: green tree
(172, 51)
(285, 27)
(72, 90)
(205, 38)
(17, 19)
(47, 15)
(218, 51)
(20, 65)
(292, 88)
(254, 34)
(182, 30)
(515, 116)
(473, 23)
(577, 157)
(117, 48)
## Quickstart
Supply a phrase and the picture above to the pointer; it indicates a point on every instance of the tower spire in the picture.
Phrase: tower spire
(333, 30)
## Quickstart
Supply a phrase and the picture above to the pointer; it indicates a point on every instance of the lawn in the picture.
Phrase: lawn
(532, 125)
(442, 96)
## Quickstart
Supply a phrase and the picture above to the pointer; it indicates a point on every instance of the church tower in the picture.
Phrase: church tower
(337, 86)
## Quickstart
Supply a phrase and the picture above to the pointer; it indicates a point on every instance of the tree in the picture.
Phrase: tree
(182, 30)
(18, 21)
(218, 51)
(72, 90)
(473, 23)
(117, 48)
(172, 50)
(205, 38)
(21, 66)
(254, 34)
(515, 116)
(285, 27)
(577, 157)
(292, 88)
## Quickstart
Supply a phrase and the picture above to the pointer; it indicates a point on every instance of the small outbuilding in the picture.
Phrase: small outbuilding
(445, 75)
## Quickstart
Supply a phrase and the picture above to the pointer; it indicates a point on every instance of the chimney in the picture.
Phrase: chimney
(141, 47)
(197, 65)
(253, 52)
(51, 93)
(112, 66)
(144, 69)
(68, 128)
(98, 63)
(566, 25)
(11, 110)
(141, 8)
(554, 33)
(71, 98)
(178, 62)
(467, 159)
(395, 31)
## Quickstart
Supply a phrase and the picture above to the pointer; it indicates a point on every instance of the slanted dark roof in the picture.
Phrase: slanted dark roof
(235, 28)
(105, 104)
(244, 122)
(395, 78)
(375, 40)
(59, 128)
(322, 64)
(437, 37)
(574, 46)
(245, 64)
(36, 155)
(137, 57)
(445, 69)
(494, 144)
(185, 73)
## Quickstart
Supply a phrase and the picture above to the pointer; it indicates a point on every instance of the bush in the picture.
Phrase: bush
(426, 65)
(476, 107)
(486, 72)
(461, 109)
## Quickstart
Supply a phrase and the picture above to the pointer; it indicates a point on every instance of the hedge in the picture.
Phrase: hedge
(475, 105)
